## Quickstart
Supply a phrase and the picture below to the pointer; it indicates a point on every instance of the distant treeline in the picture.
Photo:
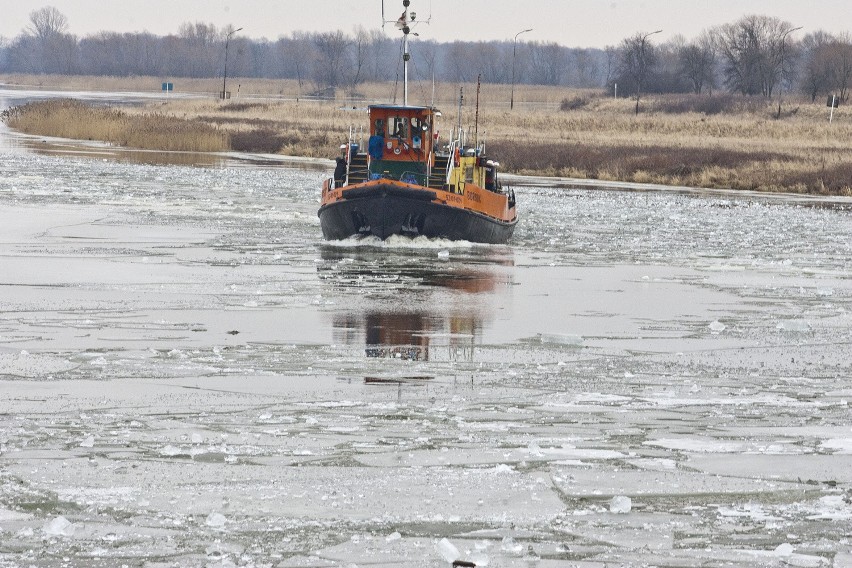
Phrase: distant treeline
(752, 56)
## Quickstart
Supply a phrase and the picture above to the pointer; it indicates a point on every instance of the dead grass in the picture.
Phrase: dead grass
(72, 119)
(722, 141)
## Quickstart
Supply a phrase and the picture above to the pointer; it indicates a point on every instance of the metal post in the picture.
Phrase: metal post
(781, 69)
(514, 50)
(225, 73)
(642, 67)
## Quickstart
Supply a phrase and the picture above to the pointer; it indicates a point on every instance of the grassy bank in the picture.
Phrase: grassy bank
(149, 130)
(720, 141)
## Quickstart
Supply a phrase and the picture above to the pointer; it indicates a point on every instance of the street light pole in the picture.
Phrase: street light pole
(641, 63)
(781, 69)
(514, 50)
(225, 74)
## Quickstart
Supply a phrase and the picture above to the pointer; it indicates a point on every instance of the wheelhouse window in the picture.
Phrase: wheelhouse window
(379, 129)
(400, 126)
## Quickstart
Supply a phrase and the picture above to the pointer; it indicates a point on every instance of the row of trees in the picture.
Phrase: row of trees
(752, 56)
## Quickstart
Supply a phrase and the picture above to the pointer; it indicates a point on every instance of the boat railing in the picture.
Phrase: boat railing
(354, 145)
(349, 154)
(451, 162)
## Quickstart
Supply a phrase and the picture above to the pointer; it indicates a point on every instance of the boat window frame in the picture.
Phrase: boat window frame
(405, 122)
(379, 127)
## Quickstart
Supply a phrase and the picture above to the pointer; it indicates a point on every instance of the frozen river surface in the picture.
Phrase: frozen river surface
(190, 376)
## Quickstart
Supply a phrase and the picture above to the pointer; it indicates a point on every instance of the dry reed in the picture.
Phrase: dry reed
(152, 131)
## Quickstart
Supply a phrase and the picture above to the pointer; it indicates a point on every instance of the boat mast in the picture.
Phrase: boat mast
(476, 119)
(461, 101)
(405, 55)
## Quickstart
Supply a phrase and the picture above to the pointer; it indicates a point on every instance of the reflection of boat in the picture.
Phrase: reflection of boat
(411, 310)
(406, 183)
(409, 336)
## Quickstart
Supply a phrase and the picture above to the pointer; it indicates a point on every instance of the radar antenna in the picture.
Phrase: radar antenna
(405, 23)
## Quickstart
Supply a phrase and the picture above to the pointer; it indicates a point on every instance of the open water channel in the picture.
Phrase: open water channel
(191, 376)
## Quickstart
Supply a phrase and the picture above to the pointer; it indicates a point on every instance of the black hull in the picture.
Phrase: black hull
(386, 211)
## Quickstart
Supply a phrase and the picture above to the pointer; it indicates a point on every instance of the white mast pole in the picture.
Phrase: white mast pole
(405, 55)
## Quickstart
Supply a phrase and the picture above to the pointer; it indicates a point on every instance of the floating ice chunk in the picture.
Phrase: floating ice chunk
(509, 546)
(447, 550)
(785, 549)
(7, 515)
(503, 468)
(393, 536)
(88, 442)
(444, 254)
(59, 526)
(561, 339)
(216, 520)
(795, 326)
(620, 505)
(838, 445)
(197, 438)
(171, 451)
(717, 327)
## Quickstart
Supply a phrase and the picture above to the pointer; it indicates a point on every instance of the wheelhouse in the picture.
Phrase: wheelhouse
(401, 143)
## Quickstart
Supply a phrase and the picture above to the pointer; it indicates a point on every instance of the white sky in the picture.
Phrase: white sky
(573, 23)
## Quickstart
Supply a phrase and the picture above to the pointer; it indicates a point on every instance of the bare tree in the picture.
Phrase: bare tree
(842, 65)
(53, 50)
(47, 22)
(196, 51)
(753, 52)
(637, 60)
(296, 55)
(330, 65)
(611, 55)
(427, 55)
(587, 70)
(548, 63)
(456, 60)
(697, 61)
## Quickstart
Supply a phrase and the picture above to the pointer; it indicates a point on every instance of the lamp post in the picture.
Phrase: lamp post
(640, 72)
(225, 74)
(514, 50)
(781, 69)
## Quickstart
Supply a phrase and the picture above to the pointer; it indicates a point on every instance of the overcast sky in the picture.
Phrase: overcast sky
(573, 23)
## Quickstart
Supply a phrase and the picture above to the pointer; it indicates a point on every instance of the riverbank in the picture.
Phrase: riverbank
(714, 142)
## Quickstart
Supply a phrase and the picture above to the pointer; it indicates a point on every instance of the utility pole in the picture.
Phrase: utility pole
(641, 63)
(514, 50)
(225, 73)
(781, 69)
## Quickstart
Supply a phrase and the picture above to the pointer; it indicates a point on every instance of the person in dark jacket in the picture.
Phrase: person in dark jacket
(340, 168)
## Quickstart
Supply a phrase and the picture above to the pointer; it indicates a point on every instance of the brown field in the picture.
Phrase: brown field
(721, 141)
